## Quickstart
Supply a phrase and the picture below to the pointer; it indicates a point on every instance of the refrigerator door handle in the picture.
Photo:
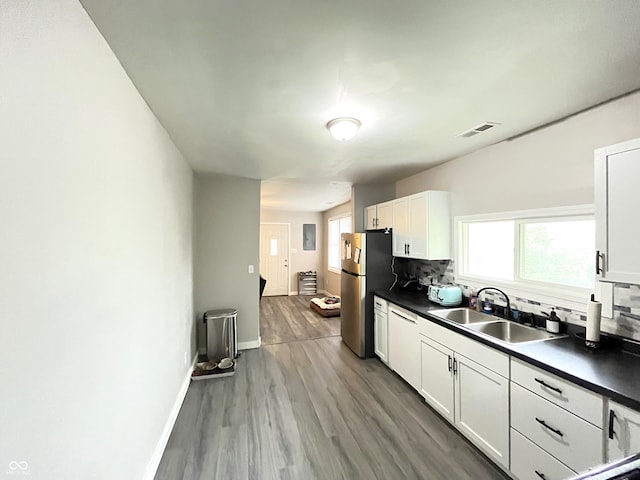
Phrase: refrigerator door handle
(351, 273)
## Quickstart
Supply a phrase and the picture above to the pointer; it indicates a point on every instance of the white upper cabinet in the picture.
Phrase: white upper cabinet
(385, 215)
(378, 217)
(421, 226)
(401, 227)
(370, 217)
(617, 170)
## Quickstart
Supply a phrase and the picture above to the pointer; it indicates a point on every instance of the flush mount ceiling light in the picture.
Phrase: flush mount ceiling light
(343, 128)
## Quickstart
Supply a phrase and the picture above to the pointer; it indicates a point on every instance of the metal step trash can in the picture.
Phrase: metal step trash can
(221, 326)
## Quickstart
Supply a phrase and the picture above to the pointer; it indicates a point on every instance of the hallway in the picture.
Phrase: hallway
(289, 319)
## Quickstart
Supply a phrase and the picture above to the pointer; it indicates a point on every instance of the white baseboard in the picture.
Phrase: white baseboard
(250, 345)
(154, 463)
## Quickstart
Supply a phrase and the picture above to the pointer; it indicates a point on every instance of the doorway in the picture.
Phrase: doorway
(274, 258)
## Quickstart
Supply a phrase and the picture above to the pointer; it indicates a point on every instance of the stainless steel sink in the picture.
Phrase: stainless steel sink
(510, 332)
(463, 315)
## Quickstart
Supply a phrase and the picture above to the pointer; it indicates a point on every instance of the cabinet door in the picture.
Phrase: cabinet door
(623, 432)
(482, 408)
(438, 229)
(380, 335)
(404, 346)
(385, 215)
(370, 217)
(616, 197)
(418, 208)
(401, 230)
(436, 372)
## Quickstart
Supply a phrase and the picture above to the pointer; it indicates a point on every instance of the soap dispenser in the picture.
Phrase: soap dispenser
(553, 322)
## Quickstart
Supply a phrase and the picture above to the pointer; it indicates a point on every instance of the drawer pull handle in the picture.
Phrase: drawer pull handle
(541, 475)
(548, 427)
(550, 387)
(450, 361)
(599, 257)
(455, 366)
(612, 416)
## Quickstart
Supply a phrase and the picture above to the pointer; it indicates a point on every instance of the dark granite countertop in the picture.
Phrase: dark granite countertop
(612, 372)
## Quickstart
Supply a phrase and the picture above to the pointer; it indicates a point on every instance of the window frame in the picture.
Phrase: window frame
(574, 298)
(329, 220)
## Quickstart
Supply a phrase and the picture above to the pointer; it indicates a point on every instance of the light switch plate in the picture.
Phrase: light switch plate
(250, 268)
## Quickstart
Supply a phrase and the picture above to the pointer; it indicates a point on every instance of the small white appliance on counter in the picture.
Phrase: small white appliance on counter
(445, 295)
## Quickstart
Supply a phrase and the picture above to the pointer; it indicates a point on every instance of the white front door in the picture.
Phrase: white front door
(274, 257)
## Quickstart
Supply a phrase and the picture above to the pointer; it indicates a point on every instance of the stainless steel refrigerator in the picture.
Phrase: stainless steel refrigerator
(366, 267)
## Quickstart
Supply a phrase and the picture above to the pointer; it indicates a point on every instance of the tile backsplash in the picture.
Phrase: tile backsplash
(626, 298)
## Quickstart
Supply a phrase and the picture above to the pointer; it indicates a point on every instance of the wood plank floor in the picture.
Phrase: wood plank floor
(289, 319)
(313, 410)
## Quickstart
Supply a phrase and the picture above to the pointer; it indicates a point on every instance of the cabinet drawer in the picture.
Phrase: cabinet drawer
(573, 441)
(571, 397)
(530, 462)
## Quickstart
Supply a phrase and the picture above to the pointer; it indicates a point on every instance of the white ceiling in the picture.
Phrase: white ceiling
(245, 87)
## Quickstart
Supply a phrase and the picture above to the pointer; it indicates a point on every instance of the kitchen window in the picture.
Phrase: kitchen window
(337, 226)
(550, 253)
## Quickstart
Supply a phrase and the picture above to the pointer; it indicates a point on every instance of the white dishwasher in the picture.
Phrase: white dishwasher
(381, 328)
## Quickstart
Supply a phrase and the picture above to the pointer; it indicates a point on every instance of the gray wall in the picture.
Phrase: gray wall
(363, 196)
(96, 309)
(550, 167)
(227, 238)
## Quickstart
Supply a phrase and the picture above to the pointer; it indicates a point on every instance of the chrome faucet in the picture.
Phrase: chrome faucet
(508, 310)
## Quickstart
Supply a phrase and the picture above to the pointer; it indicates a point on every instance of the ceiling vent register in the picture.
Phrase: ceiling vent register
(483, 127)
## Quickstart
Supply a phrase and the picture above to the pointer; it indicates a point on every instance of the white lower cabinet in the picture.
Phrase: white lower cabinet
(474, 398)
(532, 423)
(482, 408)
(530, 462)
(572, 440)
(623, 431)
(558, 417)
(436, 385)
(404, 345)
(577, 400)
(380, 329)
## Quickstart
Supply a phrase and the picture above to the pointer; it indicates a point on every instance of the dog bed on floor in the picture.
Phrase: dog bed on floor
(325, 309)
